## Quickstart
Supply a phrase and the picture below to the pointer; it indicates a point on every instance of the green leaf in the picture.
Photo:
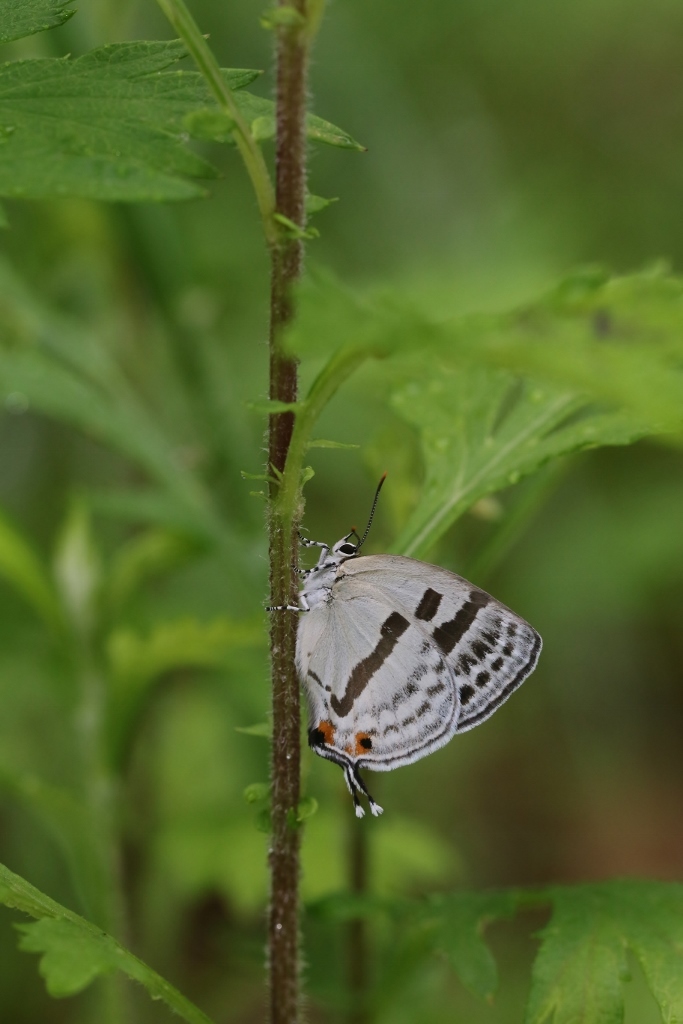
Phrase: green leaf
(74, 951)
(618, 340)
(494, 398)
(460, 920)
(579, 972)
(107, 125)
(314, 204)
(306, 808)
(21, 567)
(210, 124)
(482, 430)
(256, 792)
(19, 18)
(263, 128)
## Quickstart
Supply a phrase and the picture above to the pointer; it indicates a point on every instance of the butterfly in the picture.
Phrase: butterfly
(396, 656)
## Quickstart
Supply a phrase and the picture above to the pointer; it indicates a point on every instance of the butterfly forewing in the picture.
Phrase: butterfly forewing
(489, 649)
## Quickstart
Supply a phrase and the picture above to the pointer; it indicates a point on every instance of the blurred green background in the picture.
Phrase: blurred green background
(507, 142)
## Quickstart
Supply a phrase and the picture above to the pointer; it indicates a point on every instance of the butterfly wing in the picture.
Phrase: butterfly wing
(381, 694)
(489, 649)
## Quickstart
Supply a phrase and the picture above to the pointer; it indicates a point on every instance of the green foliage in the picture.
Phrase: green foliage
(110, 124)
(582, 964)
(75, 952)
(474, 403)
(495, 428)
(21, 18)
(22, 568)
(459, 920)
(55, 368)
(570, 388)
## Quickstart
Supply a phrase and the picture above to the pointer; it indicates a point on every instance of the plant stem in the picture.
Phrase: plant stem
(356, 933)
(287, 258)
(186, 27)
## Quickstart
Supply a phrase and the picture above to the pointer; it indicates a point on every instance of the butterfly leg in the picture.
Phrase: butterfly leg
(303, 606)
(353, 790)
(374, 807)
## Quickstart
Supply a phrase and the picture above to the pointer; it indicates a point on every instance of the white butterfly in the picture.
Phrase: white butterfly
(396, 656)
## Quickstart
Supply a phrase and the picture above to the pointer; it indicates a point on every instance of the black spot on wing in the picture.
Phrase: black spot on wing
(465, 663)
(503, 694)
(391, 631)
(466, 693)
(448, 634)
(429, 605)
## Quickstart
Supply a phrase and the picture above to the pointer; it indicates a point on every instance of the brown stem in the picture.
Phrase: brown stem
(356, 935)
(287, 257)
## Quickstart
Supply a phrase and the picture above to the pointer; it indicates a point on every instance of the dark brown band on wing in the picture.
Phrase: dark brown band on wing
(429, 605)
(448, 634)
(392, 629)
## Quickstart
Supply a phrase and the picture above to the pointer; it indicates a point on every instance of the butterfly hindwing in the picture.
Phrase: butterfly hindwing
(381, 694)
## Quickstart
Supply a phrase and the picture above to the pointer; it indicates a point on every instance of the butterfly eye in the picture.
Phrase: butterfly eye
(347, 549)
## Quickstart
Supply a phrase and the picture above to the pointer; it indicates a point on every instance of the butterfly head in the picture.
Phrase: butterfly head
(344, 548)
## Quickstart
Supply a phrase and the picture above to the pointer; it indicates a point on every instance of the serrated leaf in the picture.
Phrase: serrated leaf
(460, 920)
(617, 339)
(107, 125)
(581, 966)
(74, 951)
(20, 18)
(599, 363)
(482, 430)
(307, 473)
(22, 568)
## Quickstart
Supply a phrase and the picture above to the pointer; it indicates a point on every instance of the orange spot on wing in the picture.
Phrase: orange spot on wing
(363, 743)
(327, 729)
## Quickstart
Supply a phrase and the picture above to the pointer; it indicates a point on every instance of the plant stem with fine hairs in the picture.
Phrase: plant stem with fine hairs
(287, 258)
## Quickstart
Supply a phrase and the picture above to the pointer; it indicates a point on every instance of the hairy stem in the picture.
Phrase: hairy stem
(287, 257)
(356, 933)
